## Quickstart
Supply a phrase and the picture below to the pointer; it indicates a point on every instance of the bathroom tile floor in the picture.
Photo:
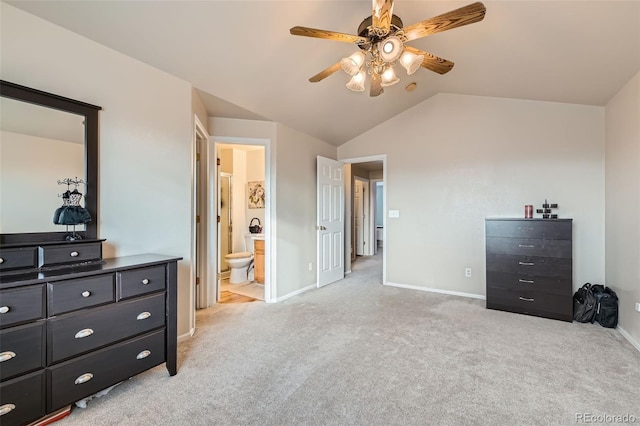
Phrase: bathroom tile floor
(251, 289)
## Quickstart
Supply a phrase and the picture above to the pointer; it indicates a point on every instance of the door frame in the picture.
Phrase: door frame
(269, 214)
(365, 183)
(385, 251)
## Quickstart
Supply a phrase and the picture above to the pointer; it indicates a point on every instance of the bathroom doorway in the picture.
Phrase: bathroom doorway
(241, 202)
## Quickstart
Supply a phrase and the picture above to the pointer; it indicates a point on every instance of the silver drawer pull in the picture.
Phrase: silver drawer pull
(1, 260)
(4, 309)
(86, 293)
(6, 408)
(526, 245)
(143, 315)
(74, 254)
(84, 378)
(145, 281)
(522, 228)
(143, 354)
(84, 333)
(6, 356)
(525, 263)
(526, 281)
(525, 299)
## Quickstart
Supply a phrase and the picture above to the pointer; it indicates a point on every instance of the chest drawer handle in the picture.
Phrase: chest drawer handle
(143, 315)
(6, 408)
(1, 260)
(522, 228)
(525, 263)
(145, 281)
(86, 293)
(525, 281)
(526, 299)
(84, 378)
(143, 354)
(4, 309)
(6, 356)
(84, 333)
(525, 245)
(74, 254)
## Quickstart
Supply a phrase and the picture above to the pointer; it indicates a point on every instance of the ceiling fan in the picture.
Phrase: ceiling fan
(382, 40)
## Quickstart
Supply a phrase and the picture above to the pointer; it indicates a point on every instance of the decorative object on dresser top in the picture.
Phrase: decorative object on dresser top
(71, 212)
(529, 266)
(69, 331)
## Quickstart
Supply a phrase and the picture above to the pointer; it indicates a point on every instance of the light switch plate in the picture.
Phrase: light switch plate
(394, 213)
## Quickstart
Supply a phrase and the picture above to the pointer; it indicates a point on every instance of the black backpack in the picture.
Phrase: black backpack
(606, 306)
(584, 304)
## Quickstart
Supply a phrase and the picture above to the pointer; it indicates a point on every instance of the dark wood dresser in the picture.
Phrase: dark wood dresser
(529, 266)
(69, 330)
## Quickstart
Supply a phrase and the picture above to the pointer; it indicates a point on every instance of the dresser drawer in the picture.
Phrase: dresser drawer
(522, 282)
(530, 228)
(22, 349)
(82, 331)
(529, 247)
(135, 282)
(72, 253)
(78, 378)
(530, 265)
(21, 305)
(23, 399)
(531, 302)
(71, 295)
(18, 258)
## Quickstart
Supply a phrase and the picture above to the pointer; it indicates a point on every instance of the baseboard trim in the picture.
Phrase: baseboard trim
(628, 337)
(297, 292)
(186, 336)
(437, 290)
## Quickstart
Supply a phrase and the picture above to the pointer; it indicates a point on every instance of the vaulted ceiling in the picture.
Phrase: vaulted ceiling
(245, 64)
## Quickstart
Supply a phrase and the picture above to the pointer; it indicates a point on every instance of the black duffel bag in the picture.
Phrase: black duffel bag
(584, 304)
(606, 313)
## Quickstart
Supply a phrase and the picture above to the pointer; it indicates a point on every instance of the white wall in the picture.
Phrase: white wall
(145, 135)
(458, 159)
(623, 203)
(30, 168)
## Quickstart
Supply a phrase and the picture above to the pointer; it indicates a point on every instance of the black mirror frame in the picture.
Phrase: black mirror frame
(91, 128)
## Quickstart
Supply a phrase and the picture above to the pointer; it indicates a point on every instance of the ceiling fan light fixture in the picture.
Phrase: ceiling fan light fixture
(352, 64)
(411, 62)
(390, 48)
(389, 77)
(356, 84)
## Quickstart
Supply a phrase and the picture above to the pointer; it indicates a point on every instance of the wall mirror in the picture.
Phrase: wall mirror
(45, 138)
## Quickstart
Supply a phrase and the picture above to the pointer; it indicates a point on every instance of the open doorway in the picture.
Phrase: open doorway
(240, 214)
(366, 203)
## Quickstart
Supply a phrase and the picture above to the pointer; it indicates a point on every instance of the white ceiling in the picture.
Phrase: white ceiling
(241, 57)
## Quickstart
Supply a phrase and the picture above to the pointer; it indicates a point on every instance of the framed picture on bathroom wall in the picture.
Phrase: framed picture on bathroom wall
(256, 195)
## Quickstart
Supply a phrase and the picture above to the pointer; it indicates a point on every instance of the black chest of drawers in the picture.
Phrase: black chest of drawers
(67, 333)
(529, 266)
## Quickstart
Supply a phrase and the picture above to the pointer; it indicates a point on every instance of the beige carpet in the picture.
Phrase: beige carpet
(359, 353)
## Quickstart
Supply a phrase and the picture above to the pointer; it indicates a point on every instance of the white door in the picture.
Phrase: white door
(330, 221)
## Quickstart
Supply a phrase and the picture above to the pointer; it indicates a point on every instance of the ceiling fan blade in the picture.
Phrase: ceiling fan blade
(329, 35)
(454, 19)
(432, 62)
(382, 14)
(325, 73)
(375, 88)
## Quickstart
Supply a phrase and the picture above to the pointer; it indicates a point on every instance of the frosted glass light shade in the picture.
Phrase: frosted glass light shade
(411, 62)
(356, 84)
(390, 48)
(352, 64)
(389, 77)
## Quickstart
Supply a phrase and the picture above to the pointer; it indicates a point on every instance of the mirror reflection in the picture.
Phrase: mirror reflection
(38, 147)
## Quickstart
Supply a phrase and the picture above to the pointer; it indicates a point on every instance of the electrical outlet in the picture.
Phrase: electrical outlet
(467, 272)
(311, 266)
(638, 306)
(394, 213)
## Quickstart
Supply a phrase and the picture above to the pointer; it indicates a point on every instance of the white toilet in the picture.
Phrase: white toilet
(238, 264)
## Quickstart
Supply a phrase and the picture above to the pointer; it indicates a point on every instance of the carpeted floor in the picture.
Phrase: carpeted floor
(359, 353)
